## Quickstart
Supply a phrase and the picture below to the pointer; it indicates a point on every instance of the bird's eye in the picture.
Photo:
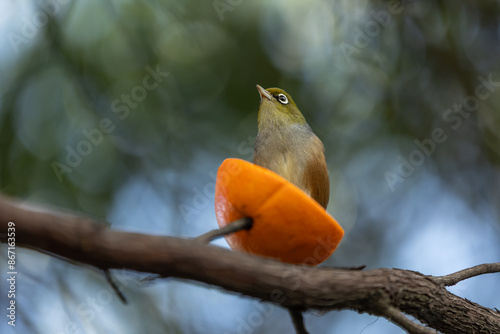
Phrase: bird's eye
(283, 99)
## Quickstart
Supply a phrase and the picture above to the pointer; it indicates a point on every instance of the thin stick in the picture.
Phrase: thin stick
(452, 279)
(298, 321)
(361, 267)
(111, 282)
(238, 225)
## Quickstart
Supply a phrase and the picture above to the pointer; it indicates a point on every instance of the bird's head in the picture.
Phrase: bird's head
(277, 107)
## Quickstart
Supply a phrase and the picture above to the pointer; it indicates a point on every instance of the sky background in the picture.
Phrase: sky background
(124, 110)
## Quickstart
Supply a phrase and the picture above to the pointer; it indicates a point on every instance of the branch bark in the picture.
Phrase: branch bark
(382, 292)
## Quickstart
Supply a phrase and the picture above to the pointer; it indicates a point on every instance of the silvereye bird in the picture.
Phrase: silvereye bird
(286, 145)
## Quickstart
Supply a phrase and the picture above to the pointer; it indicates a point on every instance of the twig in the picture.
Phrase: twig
(150, 278)
(396, 317)
(452, 279)
(298, 321)
(361, 267)
(238, 225)
(111, 282)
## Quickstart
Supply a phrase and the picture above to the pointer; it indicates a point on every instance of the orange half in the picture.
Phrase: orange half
(287, 224)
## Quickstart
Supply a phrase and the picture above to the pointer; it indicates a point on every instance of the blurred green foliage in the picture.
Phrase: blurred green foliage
(96, 94)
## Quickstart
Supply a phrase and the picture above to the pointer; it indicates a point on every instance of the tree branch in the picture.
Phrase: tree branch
(452, 279)
(382, 292)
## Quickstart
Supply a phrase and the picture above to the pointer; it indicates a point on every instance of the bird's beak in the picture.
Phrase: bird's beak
(264, 93)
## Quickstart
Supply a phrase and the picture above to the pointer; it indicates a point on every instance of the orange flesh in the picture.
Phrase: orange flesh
(287, 224)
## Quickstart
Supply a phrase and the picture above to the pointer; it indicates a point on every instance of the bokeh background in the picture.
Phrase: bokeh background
(123, 110)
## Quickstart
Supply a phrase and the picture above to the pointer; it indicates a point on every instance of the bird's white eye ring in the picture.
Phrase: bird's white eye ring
(282, 98)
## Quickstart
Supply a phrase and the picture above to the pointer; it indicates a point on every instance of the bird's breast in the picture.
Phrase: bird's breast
(287, 154)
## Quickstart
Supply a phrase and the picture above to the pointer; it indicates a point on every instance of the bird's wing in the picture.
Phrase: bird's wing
(316, 178)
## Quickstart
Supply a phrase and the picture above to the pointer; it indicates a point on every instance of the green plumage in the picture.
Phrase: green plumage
(286, 145)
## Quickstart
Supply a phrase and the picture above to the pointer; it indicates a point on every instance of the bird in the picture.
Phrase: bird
(286, 145)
